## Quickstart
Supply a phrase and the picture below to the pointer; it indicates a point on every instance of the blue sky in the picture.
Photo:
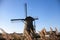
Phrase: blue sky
(48, 12)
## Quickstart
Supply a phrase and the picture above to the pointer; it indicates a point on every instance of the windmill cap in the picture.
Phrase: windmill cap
(29, 18)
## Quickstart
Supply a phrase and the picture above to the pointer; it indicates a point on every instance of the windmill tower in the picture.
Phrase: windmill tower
(29, 27)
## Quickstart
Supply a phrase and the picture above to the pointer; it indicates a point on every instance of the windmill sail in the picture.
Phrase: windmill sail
(26, 9)
(16, 19)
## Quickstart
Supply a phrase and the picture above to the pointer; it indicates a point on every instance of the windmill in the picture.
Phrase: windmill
(28, 22)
